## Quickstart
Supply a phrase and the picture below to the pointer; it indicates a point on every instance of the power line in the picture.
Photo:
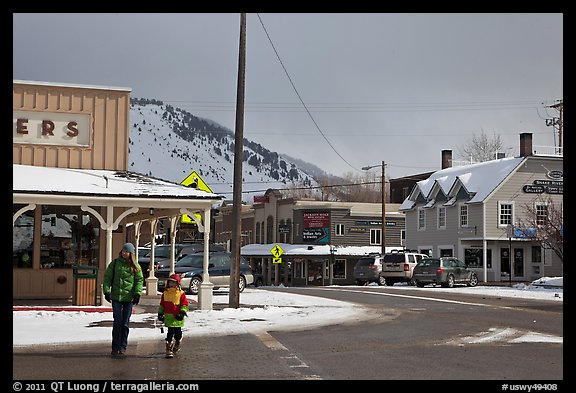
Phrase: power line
(353, 108)
(300, 98)
(308, 187)
(526, 104)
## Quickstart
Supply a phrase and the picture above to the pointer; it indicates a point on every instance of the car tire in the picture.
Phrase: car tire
(258, 282)
(241, 284)
(195, 285)
(382, 281)
(473, 280)
(419, 284)
(449, 282)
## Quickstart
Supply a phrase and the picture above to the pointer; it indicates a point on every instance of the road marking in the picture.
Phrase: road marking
(418, 297)
(270, 341)
(293, 361)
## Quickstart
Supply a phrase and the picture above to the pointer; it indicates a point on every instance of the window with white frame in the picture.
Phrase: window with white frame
(283, 236)
(339, 229)
(339, 269)
(441, 211)
(375, 237)
(421, 219)
(505, 213)
(541, 210)
(402, 237)
(463, 215)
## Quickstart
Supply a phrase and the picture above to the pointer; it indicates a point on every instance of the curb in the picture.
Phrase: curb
(62, 308)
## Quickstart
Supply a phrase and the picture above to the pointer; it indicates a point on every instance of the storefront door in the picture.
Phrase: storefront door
(315, 272)
(504, 263)
(518, 263)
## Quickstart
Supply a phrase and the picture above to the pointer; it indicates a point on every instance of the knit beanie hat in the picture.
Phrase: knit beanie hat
(174, 277)
(128, 247)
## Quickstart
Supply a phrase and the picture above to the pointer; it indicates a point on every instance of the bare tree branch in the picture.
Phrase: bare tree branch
(544, 223)
(481, 148)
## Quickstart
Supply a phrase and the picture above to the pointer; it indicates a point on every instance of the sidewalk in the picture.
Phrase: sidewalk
(147, 305)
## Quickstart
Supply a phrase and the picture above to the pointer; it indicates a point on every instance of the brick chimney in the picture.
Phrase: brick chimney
(525, 144)
(446, 159)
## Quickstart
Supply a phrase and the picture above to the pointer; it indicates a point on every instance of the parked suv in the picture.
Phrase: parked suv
(445, 271)
(398, 266)
(368, 270)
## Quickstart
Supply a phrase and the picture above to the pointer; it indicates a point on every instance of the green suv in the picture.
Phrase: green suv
(445, 271)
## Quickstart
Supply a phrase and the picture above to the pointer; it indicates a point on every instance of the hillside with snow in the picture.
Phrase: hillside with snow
(169, 143)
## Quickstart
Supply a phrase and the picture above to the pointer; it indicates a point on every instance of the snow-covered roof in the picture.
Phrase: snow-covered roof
(73, 85)
(357, 209)
(45, 180)
(479, 179)
(310, 249)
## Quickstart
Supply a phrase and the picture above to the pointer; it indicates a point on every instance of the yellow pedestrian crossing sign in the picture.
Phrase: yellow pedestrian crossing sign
(195, 181)
(277, 251)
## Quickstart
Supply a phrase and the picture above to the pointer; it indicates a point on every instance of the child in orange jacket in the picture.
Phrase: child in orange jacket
(172, 310)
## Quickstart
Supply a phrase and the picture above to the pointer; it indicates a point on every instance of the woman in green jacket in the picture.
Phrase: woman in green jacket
(123, 281)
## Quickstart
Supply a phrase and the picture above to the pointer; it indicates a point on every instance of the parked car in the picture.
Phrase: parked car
(194, 248)
(191, 270)
(143, 251)
(368, 269)
(161, 257)
(398, 266)
(445, 271)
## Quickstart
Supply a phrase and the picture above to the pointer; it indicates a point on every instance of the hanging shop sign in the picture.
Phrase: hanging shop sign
(544, 186)
(316, 227)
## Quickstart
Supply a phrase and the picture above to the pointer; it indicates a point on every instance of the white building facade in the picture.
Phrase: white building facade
(474, 212)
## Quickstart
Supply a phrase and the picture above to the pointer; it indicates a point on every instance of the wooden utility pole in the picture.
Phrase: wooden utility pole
(560, 108)
(234, 294)
(383, 208)
(557, 121)
(383, 189)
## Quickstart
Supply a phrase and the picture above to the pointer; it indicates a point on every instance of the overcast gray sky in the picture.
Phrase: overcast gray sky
(393, 87)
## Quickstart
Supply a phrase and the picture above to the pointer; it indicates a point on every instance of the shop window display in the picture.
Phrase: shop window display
(22, 239)
(69, 237)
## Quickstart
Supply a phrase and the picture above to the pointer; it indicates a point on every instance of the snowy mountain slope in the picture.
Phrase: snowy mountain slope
(169, 143)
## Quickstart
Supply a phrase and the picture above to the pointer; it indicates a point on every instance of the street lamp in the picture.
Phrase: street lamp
(383, 234)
